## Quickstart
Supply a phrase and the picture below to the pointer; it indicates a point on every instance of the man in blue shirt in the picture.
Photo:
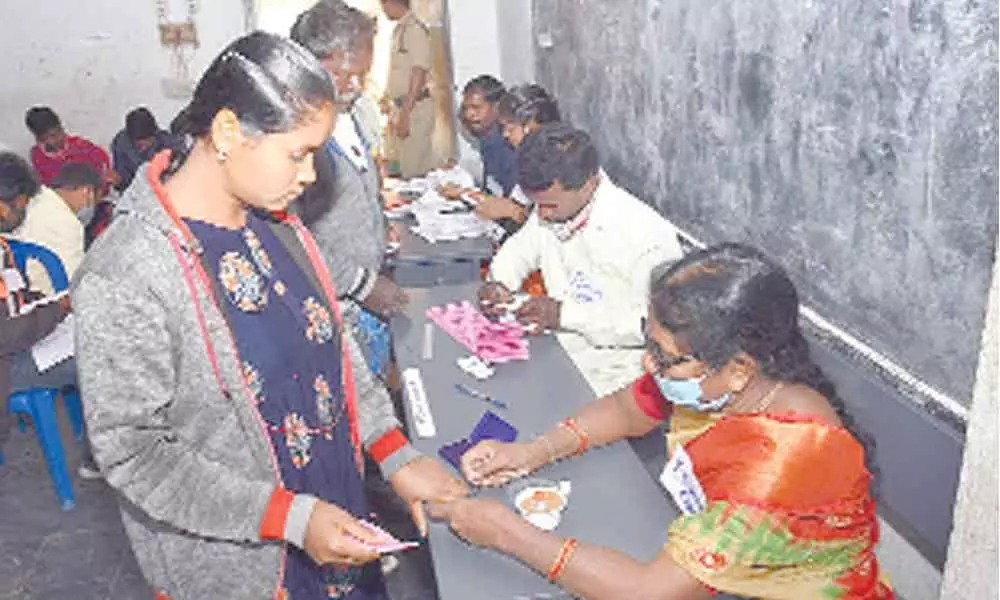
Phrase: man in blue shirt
(479, 117)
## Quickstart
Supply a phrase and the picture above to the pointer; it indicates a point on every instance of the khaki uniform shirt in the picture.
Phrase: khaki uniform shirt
(411, 47)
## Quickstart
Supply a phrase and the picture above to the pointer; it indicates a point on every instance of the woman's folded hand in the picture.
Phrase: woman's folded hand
(334, 536)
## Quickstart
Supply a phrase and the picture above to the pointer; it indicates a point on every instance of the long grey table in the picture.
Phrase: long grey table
(419, 263)
(614, 501)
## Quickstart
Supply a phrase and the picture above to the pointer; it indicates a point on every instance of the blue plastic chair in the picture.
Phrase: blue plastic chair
(23, 251)
(49, 259)
(39, 403)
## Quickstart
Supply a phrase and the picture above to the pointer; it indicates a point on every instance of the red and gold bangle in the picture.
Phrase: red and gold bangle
(562, 559)
(580, 434)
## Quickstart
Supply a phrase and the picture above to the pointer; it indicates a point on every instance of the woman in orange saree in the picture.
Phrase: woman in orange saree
(770, 473)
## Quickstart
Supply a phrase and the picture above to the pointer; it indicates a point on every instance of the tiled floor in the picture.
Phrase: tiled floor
(83, 554)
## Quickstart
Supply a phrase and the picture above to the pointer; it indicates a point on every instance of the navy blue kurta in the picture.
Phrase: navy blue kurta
(290, 345)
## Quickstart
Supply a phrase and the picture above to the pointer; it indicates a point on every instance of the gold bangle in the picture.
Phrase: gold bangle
(550, 447)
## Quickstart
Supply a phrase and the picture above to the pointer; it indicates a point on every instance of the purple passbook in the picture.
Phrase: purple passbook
(489, 427)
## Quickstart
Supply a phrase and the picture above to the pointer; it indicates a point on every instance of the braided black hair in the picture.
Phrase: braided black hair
(269, 82)
(732, 298)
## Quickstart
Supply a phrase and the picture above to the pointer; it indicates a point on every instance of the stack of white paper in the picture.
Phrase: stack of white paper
(439, 219)
(55, 347)
(455, 176)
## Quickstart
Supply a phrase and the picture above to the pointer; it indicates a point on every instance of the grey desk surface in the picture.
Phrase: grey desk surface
(614, 501)
(414, 248)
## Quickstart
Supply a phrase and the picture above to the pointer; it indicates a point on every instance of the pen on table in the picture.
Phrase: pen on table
(479, 395)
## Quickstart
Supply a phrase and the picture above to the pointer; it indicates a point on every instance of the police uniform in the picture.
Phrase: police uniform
(411, 47)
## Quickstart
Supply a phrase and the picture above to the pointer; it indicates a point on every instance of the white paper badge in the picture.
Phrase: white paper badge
(583, 289)
(679, 480)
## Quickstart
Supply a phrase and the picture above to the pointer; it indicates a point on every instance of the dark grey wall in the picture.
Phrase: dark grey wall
(856, 140)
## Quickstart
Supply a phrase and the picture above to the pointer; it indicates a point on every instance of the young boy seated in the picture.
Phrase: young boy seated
(53, 148)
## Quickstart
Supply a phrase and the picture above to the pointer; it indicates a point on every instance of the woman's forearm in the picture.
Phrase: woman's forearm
(604, 421)
(597, 573)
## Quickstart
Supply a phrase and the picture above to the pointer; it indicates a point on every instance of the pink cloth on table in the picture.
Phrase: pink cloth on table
(492, 342)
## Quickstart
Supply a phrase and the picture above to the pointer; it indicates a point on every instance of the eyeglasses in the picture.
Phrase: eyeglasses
(661, 360)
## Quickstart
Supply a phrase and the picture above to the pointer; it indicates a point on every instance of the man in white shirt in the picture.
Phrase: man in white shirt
(596, 246)
(52, 217)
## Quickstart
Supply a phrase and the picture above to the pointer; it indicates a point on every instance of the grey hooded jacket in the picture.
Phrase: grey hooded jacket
(185, 449)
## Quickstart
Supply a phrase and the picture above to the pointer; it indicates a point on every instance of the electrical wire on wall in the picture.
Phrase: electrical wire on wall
(179, 35)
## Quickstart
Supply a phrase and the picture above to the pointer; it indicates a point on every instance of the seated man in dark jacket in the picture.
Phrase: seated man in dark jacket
(136, 144)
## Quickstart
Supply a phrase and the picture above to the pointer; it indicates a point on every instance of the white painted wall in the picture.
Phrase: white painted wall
(485, 36)
(517, 49)
(475, 39)
(94, 60)
(489, 37)
(475, 50)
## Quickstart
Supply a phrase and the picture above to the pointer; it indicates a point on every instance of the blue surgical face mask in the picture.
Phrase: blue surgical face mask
(688, 393)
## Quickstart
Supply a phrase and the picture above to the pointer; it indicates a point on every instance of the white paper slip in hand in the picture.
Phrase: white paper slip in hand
(510, 308)
(55, 347)
(423, 421)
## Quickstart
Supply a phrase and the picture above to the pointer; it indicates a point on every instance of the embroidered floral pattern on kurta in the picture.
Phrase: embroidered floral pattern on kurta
(298, 439)
(328, 410)
(257, 252)
(320, 329)
(254, 381)
(244, 286)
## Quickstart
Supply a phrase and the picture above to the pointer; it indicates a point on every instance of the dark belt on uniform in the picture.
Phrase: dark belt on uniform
(425, 94)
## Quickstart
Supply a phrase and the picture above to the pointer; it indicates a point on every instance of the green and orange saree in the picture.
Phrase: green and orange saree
(788, 513)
